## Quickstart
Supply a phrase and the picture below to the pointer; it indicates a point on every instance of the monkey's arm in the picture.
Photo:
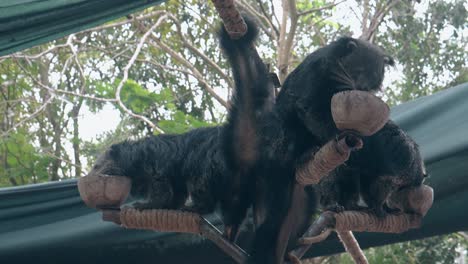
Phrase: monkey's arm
(253, 96)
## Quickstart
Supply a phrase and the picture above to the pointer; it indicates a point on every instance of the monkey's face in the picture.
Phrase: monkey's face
(359, 65)
(106, 164)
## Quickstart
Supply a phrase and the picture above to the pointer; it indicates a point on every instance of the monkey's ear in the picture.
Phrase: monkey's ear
(389, 60)
(352, 45)
(345, 46)
(114, 151)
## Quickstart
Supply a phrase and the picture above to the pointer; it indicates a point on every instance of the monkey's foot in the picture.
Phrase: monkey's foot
(393, 211)
(353, 140)
(337, 208)
(197, 209)
(231, 232)
(148, 205)
(380, 212)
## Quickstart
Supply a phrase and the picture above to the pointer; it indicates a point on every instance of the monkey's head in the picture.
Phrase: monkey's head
(357, 64)
(123, 160)
(107, 164)
(345, 64)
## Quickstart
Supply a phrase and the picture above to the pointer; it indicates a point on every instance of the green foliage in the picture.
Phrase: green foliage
(428, 46)
(439, 249)
(21, 164)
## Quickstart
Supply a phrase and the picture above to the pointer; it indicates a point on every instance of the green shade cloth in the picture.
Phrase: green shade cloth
(26, 23)
(48, 223)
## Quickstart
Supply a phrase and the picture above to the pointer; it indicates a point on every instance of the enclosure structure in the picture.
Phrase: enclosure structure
(49, 221)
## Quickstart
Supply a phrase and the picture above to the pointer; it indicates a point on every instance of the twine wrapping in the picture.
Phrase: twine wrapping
(365, 222)
(353, 221)
(352, 246)
(330, 156)
(233, 21)
(161, 220)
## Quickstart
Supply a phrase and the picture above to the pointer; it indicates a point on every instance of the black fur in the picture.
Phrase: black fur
(253, 158)
(241, 141)
(390, 160)
(283, 138)
(165, 169)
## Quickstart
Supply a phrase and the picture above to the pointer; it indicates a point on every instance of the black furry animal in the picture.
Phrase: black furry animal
(166, 169)
(390, 160)
(253, 96)
(269, 141)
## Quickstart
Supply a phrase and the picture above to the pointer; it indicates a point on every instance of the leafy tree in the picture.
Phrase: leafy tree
(163, 72)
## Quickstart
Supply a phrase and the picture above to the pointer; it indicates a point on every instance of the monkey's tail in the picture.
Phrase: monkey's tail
(253, 95)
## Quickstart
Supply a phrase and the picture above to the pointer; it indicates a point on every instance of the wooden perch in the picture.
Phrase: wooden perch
(414, 203)
(107, 193)
(174, 221)
(232, 20)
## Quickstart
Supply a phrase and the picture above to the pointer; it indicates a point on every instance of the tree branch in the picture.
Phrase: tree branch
(269, 20)
(31, 116)
(121, 23)
(244, 6)
(200, 53)
(287, 39)
(306, 12)
(125, 76)
(377, 19)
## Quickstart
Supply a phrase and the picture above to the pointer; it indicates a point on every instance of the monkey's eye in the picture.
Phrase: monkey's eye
(352, 45)
(388, 60)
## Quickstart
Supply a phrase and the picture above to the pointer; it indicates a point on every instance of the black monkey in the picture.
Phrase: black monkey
(390, 160)
(166, 169)
(253, 96)
(271, 144)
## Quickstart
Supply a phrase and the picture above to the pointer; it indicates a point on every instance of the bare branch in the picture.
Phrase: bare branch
(194, 70)
(273, 13)
(121, 23)
(36, 56)
(365, 15)
(287, 39)
(200, 53)
(31, 116)
(267, 16)
(377, 19)
(125, 76)
(306, 12)
(52, 155)
(264, 22)
(59, 91)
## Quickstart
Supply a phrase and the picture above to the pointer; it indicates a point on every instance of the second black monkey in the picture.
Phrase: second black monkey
(268, 143)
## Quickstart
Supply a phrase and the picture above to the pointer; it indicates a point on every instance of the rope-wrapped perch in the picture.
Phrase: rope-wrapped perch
(352, 246)
(173, 221)
(330, 156)
(232, 20)
(413, 202)
(366, 222)
(161, 220)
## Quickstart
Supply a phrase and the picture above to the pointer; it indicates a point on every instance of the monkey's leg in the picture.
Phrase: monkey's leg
(160, 195)
(203, 202)
(375, 192)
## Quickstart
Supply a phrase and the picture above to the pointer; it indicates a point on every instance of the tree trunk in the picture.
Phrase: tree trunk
(52, 115)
